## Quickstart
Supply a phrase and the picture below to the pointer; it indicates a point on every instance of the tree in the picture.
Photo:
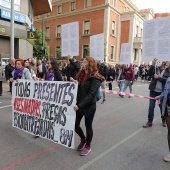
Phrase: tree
(37, 47)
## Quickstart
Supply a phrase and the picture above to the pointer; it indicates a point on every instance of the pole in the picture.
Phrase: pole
(12, 29)
(43, 36)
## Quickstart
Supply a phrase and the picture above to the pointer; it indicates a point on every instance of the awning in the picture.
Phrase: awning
(41, 7)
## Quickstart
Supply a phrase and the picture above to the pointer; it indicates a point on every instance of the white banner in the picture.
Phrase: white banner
(70, 39)
(156, 39)
(97, 46)
(126, 52)
(45, 108)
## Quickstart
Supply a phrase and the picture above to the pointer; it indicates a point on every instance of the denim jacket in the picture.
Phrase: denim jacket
(164, 95)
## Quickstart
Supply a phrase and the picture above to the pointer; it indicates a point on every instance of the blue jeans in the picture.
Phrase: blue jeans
(152, 106)
(120, 85)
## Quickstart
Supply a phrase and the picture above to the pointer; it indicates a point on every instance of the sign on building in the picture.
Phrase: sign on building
(6, 14)
(31, 35)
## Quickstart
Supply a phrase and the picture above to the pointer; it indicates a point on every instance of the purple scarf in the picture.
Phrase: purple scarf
(18, 73)
(50, 76)
(169, 94)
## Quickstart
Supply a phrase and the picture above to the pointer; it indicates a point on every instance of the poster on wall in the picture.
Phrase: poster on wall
(156, 39)
(126, 52)
(97, 46)
(45, 109)
(70, 39)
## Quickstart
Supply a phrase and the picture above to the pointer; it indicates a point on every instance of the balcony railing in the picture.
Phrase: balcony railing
(138, 39)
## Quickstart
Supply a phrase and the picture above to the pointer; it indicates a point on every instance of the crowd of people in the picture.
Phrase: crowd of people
(90, 76)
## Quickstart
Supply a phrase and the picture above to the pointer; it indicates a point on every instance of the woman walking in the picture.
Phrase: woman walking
(89, 82)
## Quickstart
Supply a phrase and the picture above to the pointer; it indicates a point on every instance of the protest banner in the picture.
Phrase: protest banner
(97, 46)
(126, 52)
(156, 39)
(45, 109)
(70, 39)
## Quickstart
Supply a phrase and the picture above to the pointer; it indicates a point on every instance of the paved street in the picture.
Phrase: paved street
(119, 143)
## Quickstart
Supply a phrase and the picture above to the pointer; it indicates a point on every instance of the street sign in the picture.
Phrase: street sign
(31, 35)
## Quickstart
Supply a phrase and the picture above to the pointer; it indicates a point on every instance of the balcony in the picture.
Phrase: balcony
(41, 7)
(138, 40)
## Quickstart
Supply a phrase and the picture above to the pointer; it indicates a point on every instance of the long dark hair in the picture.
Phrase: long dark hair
(54, 64)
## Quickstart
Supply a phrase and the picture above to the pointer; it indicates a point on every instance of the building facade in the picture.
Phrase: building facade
(119, 20)
(160, 15)
(24, 11)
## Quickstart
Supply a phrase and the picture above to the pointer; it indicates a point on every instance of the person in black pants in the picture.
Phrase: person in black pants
(89, 82)
(111, 76)
(8, 72)
(1, 78)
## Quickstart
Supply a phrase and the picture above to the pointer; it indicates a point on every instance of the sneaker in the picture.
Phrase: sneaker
(81, 145)
(85, 151)
(36, 136)
(148, 124)
(167, 158)
(121, 96)
(103, 101)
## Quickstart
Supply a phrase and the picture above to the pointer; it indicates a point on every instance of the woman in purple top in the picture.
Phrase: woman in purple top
(53, 73)
(20, 72)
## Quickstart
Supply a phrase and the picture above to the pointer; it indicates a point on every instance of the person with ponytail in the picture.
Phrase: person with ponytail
(89, 82)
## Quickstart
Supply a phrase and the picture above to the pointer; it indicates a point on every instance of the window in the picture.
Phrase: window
(47, 32)
(86, 27)
(112, 52)
(85, 50)
(38, 17)
(58, 31)
(87, 3)
(59, 9)
(141, 34)
(114, 3)
(73, 6)
(137, 28)
(125, 9)
(58, 52)
(113, 27)
(135, 54)
(7, 4)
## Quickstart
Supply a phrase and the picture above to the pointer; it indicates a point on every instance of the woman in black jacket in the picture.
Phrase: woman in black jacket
(53, 74)
(89, 82)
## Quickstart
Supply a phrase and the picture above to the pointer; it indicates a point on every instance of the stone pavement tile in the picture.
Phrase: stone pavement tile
(5, 87)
